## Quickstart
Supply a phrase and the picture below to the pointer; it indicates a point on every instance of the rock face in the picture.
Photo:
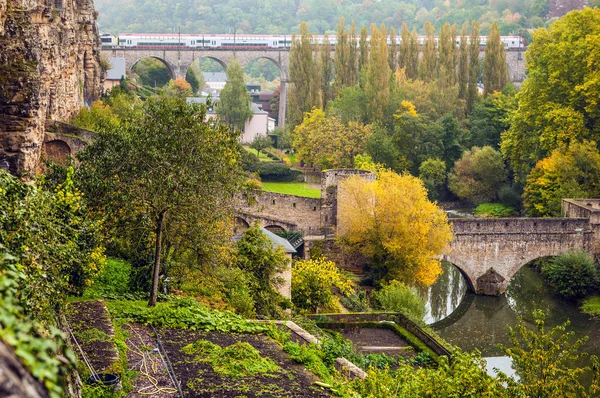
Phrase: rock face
(49, 68)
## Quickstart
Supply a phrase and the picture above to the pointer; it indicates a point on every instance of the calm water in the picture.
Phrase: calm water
(479, 322)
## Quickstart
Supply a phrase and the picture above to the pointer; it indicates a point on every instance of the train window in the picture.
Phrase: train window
(193, 42)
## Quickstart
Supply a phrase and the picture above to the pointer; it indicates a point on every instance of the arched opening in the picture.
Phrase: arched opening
(263, 78)
(240, 225)
(57, 151)
(207, 76)
(447, 293)
(275, 228)
(152, 73)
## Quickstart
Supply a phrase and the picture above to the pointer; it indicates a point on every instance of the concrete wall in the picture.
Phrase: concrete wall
(256, 126)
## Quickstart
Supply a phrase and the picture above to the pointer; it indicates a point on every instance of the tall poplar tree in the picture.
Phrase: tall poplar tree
(302, 75)
(473, 66)
(353, 59)
(234, 101)
(445, 56)
(326, 66)
(428, 65)
(377, 74)
(364, 50)
(495, 75)
(412, 68)
(393, 51)
(463, 63)
(404, 48)
(342, 58)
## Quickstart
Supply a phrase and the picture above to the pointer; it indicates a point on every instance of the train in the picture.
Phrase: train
(167, 41)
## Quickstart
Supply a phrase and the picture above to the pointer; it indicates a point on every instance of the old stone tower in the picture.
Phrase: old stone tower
(49, 68)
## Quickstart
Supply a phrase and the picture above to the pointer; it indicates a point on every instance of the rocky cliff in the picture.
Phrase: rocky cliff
(49, 68)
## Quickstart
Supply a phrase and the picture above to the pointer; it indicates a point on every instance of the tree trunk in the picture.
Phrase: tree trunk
(159, 227)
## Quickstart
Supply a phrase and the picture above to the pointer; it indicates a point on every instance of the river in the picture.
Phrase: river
(479, 322)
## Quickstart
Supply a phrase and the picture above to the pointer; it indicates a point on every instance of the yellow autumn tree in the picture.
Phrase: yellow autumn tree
(391, 221)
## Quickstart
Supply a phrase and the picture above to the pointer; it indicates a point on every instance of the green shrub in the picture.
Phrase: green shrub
(591, 305)
(270, 171)
(572, 275)
(510, 196)
(113, 280)
(398, 297)
(495, 210)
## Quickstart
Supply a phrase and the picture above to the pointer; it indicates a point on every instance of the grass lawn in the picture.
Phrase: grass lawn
(292, 188)
(591, 305)
(262, 156)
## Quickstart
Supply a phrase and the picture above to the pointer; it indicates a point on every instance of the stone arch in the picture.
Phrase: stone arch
(57, 151)
(170, 68)
(462, 268)
(240, 225)
(283, 73)
(275, 228)
(186, 66)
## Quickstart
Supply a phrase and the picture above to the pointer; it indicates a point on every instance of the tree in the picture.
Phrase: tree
(363, 44)
(377, 74)
(489, 118)
(433, 174)
(573, 173)
(234, 101)
(463, 63)
(179, 88)
(404, 56)
(393, 52)
(542, 360)
(478, 175)
(196, 82)
(447, 49)
(558, 103)
(303, 71)
(327, 142)
(573, 275)
(398, 297)
(472, 86)
(495, 74)
(312, 283)
(354, 55)
(343, 70)
(326, 66)
(260, 142)
(169, 168)
(428, 65)
(391, 221)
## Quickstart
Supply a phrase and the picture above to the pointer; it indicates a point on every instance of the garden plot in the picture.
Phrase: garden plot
(211, 364)
(378, 341)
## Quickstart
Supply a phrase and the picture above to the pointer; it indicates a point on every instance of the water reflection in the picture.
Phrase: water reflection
(445, 296)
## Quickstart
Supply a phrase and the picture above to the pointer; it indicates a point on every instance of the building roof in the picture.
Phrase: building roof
(256, 109)
(278, 241)
(215, 77)
(117, 69)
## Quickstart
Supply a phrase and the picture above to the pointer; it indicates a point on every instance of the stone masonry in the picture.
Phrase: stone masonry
(49, 68)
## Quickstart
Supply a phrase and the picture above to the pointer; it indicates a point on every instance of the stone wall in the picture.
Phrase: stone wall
(585, 208)
(49, 68)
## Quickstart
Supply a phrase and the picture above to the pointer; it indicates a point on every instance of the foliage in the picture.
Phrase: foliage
(433, 173)
(494, 210)
(167, 172)
(40, 346)
(574, 173)
(112, 281)
(573, 274)
(398, 297)
(256, 255)
(312, 281)
(558, 103)
(292, 188)
(234, 100)
(327, 142)
(591, 305)
(495, 75)
(377, 74)
(261, 142)
(152, 72)
(184, 313)
(391, 221)
(179, 88)
(237, 360)
(279, 172)
(478, 175)
(195, 77)
(542, 360)
(490, 118)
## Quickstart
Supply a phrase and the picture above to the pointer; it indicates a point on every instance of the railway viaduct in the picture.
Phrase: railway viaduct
(179, 60)
(488, 252)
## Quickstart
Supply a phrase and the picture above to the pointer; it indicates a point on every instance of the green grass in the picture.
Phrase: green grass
(292, 188)
(262, 156)
(591, 305)
(495, 210)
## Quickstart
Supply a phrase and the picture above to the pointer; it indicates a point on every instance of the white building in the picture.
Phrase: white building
(215, 80)
(115, 73)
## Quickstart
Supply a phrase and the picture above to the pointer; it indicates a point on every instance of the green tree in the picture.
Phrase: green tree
(398, 297)
(495, 74)
(447, 50)
(573, 275)
(463, 63)
(490, 118)
(429, 61)
(542, 359)
(197, 83)
(303, 72)
(393, 51)
(152, 72)
(472, 85)
(363, 45)
(260, 142)
(234, 101)
(343, 70)
(478, 175)
(558, 103)
(573, 173)
(404, 51)
(179, 88)
(166, 169)
(412, 67)
(326, 69)
(354, 55)
(433, 174)
(376, 85)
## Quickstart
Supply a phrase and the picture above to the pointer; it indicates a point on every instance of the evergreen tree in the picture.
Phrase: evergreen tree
(377, 74)
(412, 68)
(193, 80)
(495, 75)
(302, 74)
(364, 50)
(472, 89)
(445, 56)
(234, 102)
(342, 58)
(463, 64)
(393, 52)
(353, 56)
(428, 65)
(403, 58)
(326, 66)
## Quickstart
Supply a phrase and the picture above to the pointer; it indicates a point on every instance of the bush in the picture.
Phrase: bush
(398, 297)
(572, 275)
(495, 210)
(510, 196)
(113, 280)
(277, 172)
